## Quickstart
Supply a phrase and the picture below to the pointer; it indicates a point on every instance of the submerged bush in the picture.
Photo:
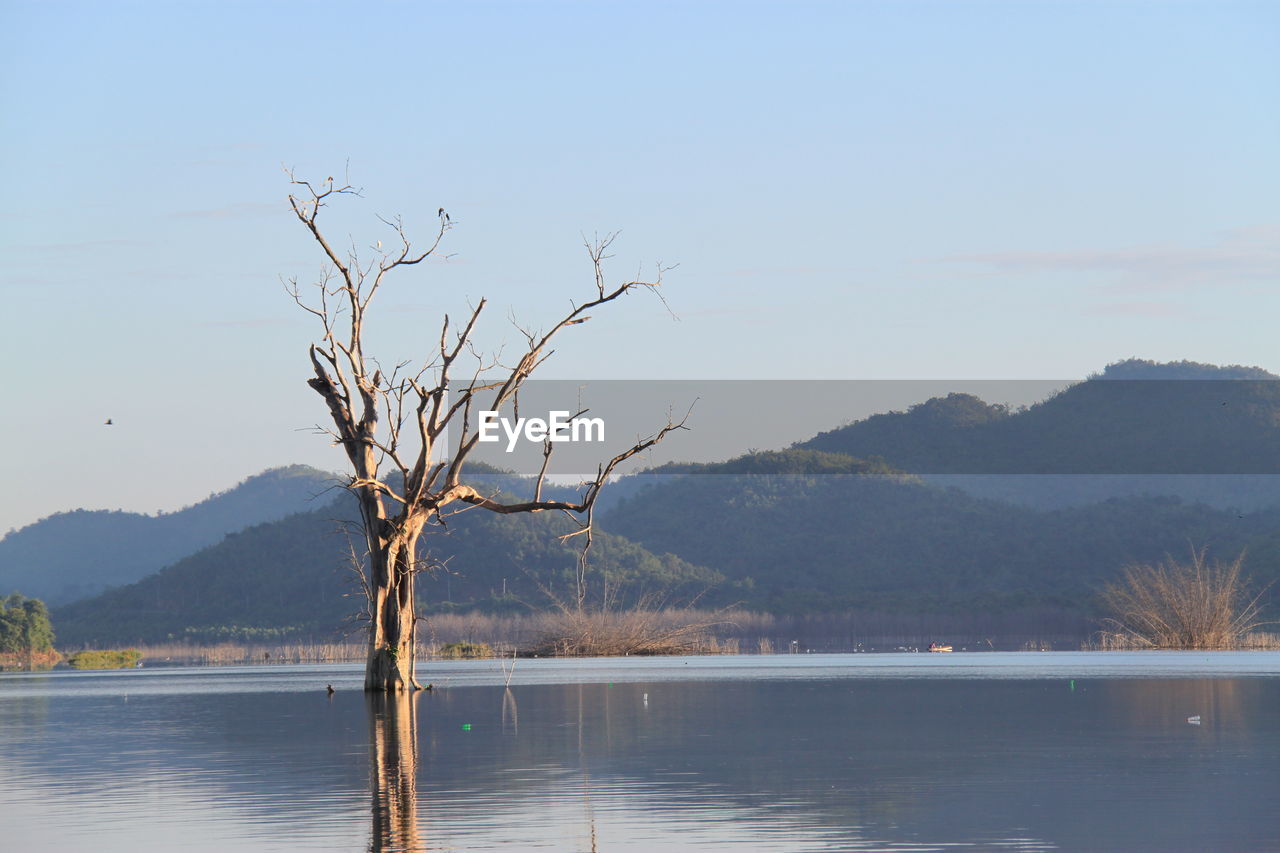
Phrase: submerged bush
(105, 659)
(456, 651)
(1176, 605)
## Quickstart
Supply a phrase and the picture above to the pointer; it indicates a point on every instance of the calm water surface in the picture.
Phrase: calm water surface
(1028, 751)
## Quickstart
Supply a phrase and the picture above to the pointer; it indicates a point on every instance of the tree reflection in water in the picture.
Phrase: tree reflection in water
(510, 713)
(393, 759)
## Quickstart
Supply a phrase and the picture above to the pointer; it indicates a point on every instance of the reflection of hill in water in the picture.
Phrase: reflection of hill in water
(858, 763)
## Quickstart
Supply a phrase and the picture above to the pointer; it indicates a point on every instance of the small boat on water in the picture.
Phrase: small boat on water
(938, 647)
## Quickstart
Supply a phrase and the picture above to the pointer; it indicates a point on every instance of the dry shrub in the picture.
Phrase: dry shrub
(592, 632)
(1176, 605)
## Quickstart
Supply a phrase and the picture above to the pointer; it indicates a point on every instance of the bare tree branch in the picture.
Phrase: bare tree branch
(370, 411)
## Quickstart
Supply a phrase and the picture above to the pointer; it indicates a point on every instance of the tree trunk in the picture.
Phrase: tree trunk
(389, 666)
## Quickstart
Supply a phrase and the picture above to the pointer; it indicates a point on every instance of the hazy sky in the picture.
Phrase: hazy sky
(969, 190)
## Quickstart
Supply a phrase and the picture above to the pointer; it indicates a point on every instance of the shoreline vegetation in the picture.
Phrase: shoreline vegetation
(355, 652)
(653, 632)
(260, 654)
(44, 659)
(26, 634)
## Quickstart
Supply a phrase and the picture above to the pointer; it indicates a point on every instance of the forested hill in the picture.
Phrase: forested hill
(72, 555)
(812, 541)
(293, 578)
(1197, 431)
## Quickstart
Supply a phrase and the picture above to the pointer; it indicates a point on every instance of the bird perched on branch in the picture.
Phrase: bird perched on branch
(443, 215)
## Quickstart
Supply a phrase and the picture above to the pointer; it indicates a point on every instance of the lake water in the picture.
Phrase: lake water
(912, 752)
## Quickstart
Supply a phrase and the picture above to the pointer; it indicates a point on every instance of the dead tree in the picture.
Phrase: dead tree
(392, 426)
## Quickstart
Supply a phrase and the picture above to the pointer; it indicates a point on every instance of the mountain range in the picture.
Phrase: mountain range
(953, 505)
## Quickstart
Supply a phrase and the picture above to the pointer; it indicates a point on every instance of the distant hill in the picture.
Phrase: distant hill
(1197, 431)
(1139, 368)
(73, 555)
(292, 577)
(1105, 425)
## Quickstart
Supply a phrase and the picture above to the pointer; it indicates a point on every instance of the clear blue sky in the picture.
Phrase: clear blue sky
(903, 189)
